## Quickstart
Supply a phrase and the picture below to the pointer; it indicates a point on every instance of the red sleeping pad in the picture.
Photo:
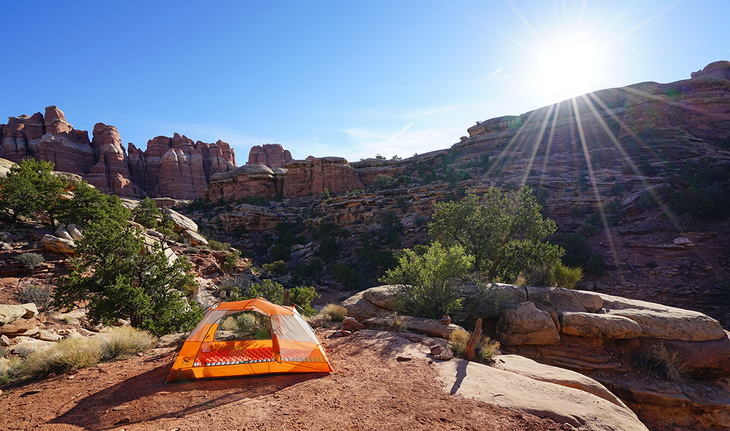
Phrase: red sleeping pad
(253, 355)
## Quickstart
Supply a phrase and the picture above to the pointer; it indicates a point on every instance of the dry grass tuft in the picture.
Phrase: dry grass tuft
(485, 348)
(334, 312)
(125, 341)
(66, 355)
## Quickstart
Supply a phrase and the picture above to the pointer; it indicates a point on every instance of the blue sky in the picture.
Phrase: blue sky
(346, 78)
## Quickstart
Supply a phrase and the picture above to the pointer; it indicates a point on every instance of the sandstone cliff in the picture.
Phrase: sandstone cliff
(170, 167)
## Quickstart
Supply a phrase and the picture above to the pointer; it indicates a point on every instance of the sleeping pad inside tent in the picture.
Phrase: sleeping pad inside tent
(249, 337)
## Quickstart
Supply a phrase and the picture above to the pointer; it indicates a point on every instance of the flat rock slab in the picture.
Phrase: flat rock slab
(560, 376)
(599, 326)
(580, 409)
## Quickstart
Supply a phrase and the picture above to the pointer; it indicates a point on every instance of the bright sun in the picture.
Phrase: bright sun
(568, 68)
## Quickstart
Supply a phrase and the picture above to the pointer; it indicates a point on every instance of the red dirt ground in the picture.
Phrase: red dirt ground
(371, 390)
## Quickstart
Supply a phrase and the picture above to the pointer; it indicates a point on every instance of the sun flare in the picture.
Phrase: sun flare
(568, 67)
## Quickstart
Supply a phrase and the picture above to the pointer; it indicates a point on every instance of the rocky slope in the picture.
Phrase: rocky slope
(173, 167)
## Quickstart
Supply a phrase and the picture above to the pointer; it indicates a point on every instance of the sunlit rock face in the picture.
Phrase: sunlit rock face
(170, 167)
(271, 155)
(307, 177)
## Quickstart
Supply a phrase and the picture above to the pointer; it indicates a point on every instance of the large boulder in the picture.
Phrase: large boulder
(382, 296)
(664, 322)
(10, 313)
(5, 166)
(527, 325)
(179, 221)
(556, 298)
(58, 245)
(360, 308)
(599, 325)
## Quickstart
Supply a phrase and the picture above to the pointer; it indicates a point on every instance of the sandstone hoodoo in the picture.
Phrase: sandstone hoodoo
(271, 155)
(173, 167)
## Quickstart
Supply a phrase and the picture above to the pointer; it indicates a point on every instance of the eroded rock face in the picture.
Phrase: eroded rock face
(111, 172)
(246, 181)
(171, 167)
(271, 155)
(308, 177)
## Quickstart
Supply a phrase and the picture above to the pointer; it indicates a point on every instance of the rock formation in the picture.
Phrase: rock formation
(271, 155)
(299, 178)
(170, 167)
(602, 336)
(307, 177)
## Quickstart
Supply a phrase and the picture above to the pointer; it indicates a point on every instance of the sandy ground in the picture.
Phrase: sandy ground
(373, 389)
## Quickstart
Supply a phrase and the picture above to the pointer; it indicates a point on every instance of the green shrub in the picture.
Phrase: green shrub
(277, 267)
(334, 312)
(486, 348)
(428, 281)
(40, 296)
(66, 355)
(302, 297)
(218, 245)
(382, 182)
(30, 261)
(125, 341)
(231, 261)
(596, 264)
(147, 214)
(566, 276)
(268, 289)
(346, 275)
(483, 300)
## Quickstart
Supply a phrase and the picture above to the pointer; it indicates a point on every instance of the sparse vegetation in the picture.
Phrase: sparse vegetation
(334, 312)
(123, 341)
(66, 355)
(30, 261)
(662, 363)
(277, 267)
(76, 353)
(248, 326)
(218, 245)
(566, 276)
(485, 347)
(40, 296)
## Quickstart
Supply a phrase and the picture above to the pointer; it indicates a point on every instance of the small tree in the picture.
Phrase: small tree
(504, 233)
(147, 214)
(31, 190)
(427, 279)
(122, 278)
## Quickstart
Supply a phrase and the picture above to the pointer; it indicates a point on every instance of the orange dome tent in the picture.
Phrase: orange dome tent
(293, 347)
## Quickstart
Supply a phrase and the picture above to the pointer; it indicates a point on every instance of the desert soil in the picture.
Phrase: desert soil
(372, 389)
